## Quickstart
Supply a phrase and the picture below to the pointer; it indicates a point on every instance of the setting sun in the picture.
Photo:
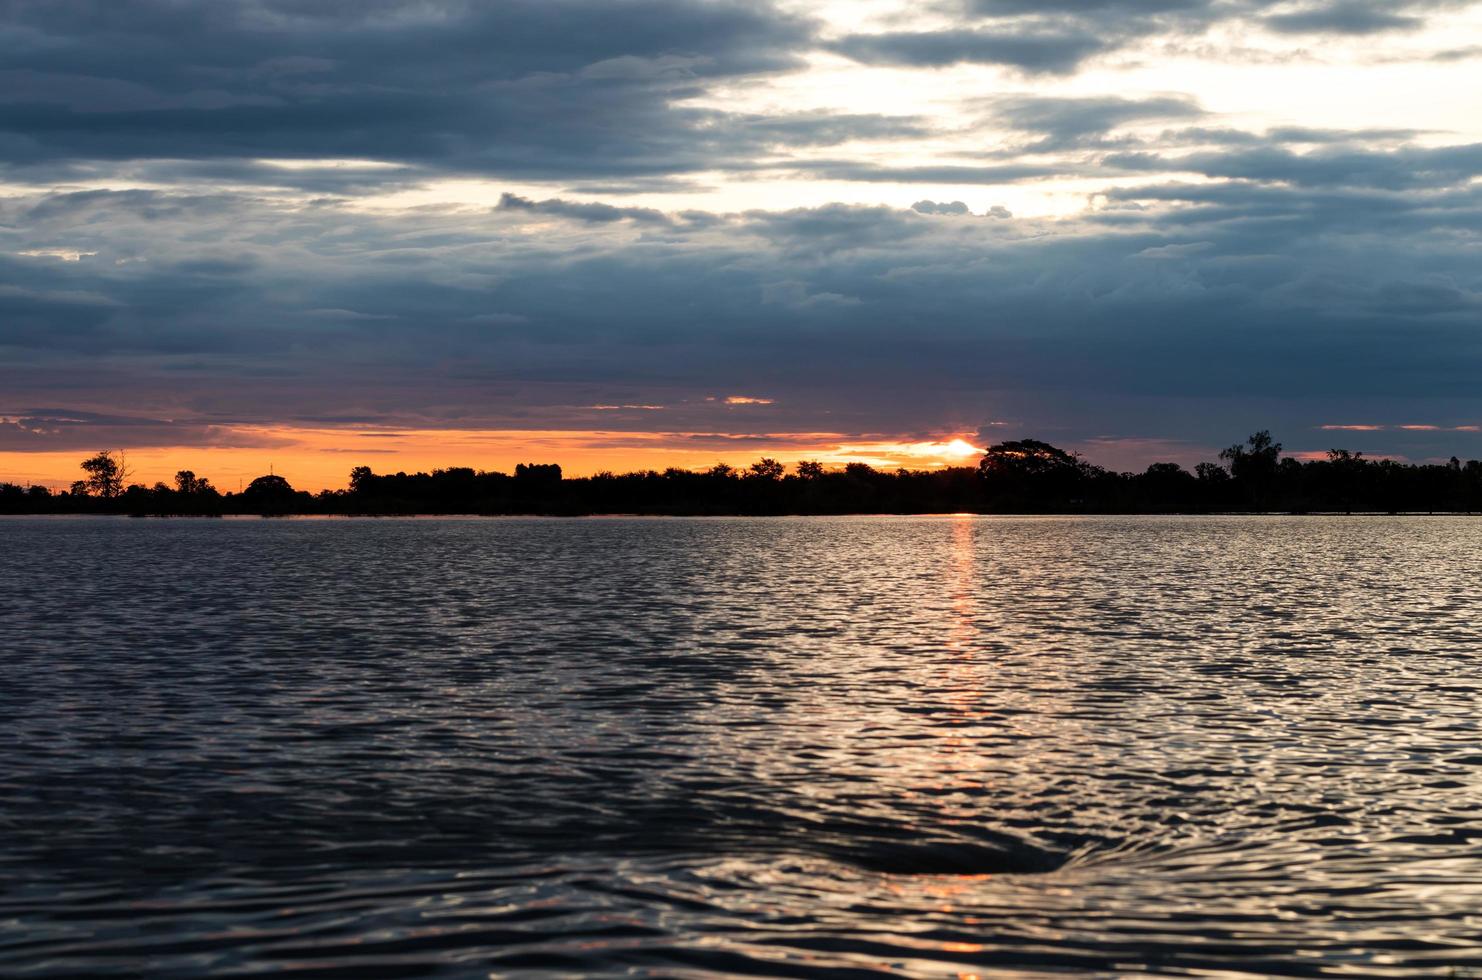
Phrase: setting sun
(961, 448)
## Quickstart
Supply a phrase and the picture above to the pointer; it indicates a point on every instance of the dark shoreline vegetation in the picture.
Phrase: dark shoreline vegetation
(1017, 477)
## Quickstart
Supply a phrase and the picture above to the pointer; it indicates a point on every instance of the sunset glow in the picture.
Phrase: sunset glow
(321, 459)
(874, 231)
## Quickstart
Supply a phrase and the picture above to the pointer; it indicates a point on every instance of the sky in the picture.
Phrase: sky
(625, 234)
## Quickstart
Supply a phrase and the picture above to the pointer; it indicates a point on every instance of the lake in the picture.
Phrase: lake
(928, 747)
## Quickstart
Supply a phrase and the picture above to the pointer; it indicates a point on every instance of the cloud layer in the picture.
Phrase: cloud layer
(211, 221)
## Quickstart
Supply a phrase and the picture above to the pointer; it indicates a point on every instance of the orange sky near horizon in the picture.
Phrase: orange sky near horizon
(321, 459)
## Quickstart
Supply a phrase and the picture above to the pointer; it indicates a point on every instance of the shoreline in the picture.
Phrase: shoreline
(637, 515)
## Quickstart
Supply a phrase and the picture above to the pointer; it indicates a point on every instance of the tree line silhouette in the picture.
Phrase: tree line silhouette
(1021, 476)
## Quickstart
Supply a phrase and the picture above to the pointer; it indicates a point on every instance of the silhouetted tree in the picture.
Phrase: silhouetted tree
(360, 479)
(270, 496)
(767, 469)
(1254, 467)
(186, 482)
(1026, 457)
(810, 470)
(1167, 488)
(1026, 474)
(538, 472)
(1258, 457)
(107, 473)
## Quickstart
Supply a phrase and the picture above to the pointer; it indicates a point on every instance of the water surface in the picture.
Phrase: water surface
(780, 747)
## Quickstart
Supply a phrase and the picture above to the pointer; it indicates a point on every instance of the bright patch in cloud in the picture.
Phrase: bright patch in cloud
(328, 164)
(65, 254)
(909, 454)
(961, 448)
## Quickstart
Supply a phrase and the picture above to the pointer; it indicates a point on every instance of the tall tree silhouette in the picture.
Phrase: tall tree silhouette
(1254, 467)
(107, 472)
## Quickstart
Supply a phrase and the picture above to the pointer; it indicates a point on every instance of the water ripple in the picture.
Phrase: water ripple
(812, 747)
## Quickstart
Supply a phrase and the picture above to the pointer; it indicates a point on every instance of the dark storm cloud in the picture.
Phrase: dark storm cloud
(1436, 226)
(592, 93)
(58, 429)
(1303, 267)
(935, 173)
(582, 211)
(851, 318)
(1309, 134)
(1294, 16)
(1279, 137)
(934, 207)
(1110, 136)
(1407, 168)
(1347, 17)
(958, 209)
(1059, 137)
(537, 88)
(1456, 54)
(825, 129)
(1058, 36)
(1066, 123)
(836, 227)
(1049, 50)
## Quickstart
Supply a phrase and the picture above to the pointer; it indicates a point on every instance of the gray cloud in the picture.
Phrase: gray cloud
(932, 207)
(60, 429)
(1187, 16)
(1067, 123)
(1347, 17)
(1307, 277)
(1058, 36)
(1049, 49)
(853, 319)
(1406, 168)
(595, 211)
(958, 209)
(545, 88)
(937, 173)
